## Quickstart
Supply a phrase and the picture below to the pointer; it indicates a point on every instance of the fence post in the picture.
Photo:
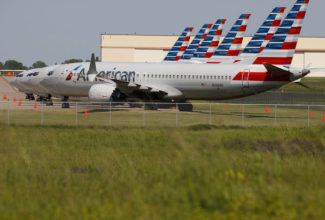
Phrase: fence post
(210, 114)
(42, 113)
(242, 115)
(308, 116)
(144, 115)
(110, 114)
(8, 112)
(176, 115)
(275, 114)
(76, 113)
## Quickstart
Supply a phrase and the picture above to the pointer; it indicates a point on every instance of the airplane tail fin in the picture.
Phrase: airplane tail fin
(189, 53)
(231, 44)
(282, 46)
(212, 40)
(180, 46)
(265, 32)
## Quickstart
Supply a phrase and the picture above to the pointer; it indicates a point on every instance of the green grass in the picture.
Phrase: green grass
(315, 84)
(197, 172)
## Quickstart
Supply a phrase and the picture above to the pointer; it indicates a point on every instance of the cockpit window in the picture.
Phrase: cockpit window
(20, 75)
(35, 74)
(50, 73)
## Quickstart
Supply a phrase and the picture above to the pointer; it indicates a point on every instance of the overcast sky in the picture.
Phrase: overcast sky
(56, 30)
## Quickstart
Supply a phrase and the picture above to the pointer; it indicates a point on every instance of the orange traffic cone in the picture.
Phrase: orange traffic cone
(324, 118)
(20, 101)
(310, 114)
(15, 99)
(226, 105)
(35, 105)
(267, 109)
(5, 97)
(86, 113)
(239, 106)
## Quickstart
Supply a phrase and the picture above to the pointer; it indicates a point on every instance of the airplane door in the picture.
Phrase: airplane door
(245, 78)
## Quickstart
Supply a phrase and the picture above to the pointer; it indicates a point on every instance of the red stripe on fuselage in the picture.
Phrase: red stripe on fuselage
(263, 76)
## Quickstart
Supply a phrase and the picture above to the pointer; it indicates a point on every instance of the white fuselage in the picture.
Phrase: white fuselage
(184, 81)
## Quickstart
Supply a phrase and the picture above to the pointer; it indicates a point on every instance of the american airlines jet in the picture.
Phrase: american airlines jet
(180, 82)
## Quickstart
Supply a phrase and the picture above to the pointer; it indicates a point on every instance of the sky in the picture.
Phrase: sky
(53, 31)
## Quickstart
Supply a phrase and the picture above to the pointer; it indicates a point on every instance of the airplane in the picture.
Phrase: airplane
(180, 82)
(29, 83)
(33, 84)
(17, 82)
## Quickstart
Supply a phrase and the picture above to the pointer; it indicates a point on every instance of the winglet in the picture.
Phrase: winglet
(92, 72)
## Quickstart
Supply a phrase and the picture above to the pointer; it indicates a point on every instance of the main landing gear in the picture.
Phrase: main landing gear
(49, 101)
(65, 103)
(30, 96)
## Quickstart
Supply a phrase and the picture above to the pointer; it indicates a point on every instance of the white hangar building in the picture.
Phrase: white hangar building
(153, 48)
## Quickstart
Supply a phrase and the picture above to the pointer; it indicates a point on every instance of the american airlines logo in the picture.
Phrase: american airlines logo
(127, 76)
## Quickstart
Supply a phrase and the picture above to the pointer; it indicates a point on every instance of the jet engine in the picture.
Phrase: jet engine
(101, 92)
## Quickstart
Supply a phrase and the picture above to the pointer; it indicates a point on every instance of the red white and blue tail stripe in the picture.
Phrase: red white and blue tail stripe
(281, 48)
(231, 45)
(180, 46)
(195, 44)
(264, 34)
(212, 40)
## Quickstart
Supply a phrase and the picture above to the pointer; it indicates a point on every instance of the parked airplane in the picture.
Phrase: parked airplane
(179, 82)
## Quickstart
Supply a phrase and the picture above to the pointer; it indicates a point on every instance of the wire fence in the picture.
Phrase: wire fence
(166, 115)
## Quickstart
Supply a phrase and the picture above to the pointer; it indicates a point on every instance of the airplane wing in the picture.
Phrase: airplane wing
(132, 88)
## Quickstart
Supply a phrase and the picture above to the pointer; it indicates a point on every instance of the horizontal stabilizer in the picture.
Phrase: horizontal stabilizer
(274, 70)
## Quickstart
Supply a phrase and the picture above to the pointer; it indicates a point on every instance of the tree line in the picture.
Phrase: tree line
(16, 65)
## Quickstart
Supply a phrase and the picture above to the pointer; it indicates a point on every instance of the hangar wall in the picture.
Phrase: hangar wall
(151, 48)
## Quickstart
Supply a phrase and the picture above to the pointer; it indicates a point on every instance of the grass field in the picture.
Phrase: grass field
(197, 172)
(315, 84)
